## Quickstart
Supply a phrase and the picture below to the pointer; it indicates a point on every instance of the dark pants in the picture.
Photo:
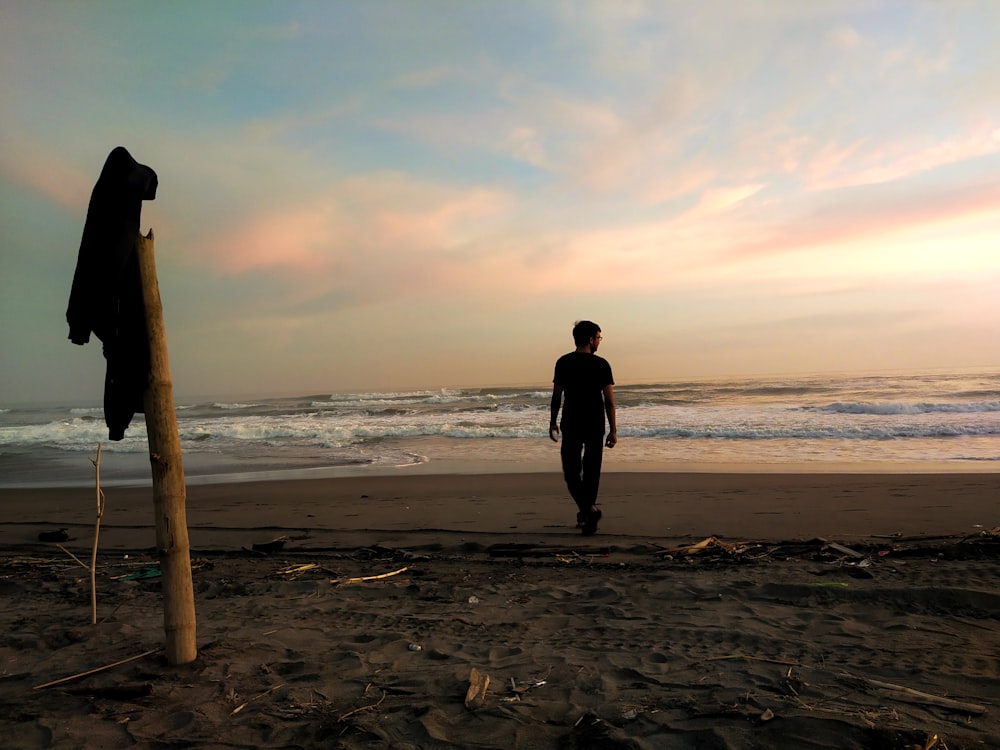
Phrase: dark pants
(581, 462)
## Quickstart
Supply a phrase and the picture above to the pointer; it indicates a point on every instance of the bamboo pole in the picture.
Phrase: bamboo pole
(169, 491)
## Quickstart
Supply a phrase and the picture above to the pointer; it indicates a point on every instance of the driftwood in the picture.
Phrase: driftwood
(712, 542)
(845, 550)
(909, 695)
(369, 578)
(479, 683)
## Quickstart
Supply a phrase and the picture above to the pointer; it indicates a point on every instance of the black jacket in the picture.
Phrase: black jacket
(106, 297)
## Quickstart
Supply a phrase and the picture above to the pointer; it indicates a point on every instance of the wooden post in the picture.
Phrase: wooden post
(169, 490)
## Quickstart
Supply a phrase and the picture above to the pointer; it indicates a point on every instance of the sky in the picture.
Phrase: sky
(402, 194)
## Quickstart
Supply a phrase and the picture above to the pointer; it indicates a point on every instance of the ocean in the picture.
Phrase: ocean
(913, 422)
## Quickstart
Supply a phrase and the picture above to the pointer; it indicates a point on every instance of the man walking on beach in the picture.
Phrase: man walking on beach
(588, 385)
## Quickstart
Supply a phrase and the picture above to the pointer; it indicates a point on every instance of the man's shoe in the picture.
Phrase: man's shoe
(590, 522)
(580, 518)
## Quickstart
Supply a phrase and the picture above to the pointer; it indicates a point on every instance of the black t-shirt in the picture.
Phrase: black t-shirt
(583, 378)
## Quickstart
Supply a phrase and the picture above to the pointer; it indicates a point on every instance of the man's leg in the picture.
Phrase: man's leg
(593, 454)
(571, 452)
(593, 457)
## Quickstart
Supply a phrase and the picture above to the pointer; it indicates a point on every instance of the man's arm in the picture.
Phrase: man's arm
(609, 409)
(554, 409)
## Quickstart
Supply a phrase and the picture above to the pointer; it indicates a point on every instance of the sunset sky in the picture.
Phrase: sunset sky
(397, 194)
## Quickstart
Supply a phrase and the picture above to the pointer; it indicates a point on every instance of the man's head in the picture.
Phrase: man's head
(587, 332)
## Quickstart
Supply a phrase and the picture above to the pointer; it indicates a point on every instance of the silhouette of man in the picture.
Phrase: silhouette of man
(588, 386)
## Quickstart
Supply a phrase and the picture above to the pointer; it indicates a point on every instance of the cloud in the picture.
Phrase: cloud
(861, 215)
(872, 162)
(720, 199)
(40, 170)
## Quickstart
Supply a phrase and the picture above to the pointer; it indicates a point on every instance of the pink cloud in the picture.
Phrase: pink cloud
(871, 215)
(44, 172)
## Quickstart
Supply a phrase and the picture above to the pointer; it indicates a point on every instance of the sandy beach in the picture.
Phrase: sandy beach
(711, 610)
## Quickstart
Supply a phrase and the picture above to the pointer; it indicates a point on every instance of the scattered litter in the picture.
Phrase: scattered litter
(524, 687)
(984, 544)
(479, 683)
(139, 575)
(415, 647)
(473, 599)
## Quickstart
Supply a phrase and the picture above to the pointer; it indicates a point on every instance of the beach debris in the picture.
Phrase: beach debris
(415, 647)
(53, 536)
(256, 697)
(520, 688)
(140, 575)
(909, 695)
(479, 683)
(473, 599)
(712, 545)
(369, 707)
(837, 547)
(362, 579)
(934, 741)
(767, 715)
(269, 548)
(294, 570)
(527, 549)
(77, 559)
(858, 561)
(106, 667)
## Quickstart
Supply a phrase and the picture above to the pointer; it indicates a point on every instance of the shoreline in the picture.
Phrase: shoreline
(197, 475)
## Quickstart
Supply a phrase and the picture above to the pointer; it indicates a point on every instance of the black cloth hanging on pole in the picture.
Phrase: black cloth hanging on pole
(106, 297)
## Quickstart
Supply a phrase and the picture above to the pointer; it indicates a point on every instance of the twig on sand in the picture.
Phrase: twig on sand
(369, 578)
(97, 669)
(754, 658)
(909, 695)
(256, 697)
(81, 562)
(370, 706)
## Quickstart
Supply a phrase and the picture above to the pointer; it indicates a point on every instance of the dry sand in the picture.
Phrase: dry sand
(835, 610)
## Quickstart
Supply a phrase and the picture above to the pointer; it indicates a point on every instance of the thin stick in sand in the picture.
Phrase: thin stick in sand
(78, 560)
(909, 695)
(97, 532)
(97, 669)
(369, 578)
